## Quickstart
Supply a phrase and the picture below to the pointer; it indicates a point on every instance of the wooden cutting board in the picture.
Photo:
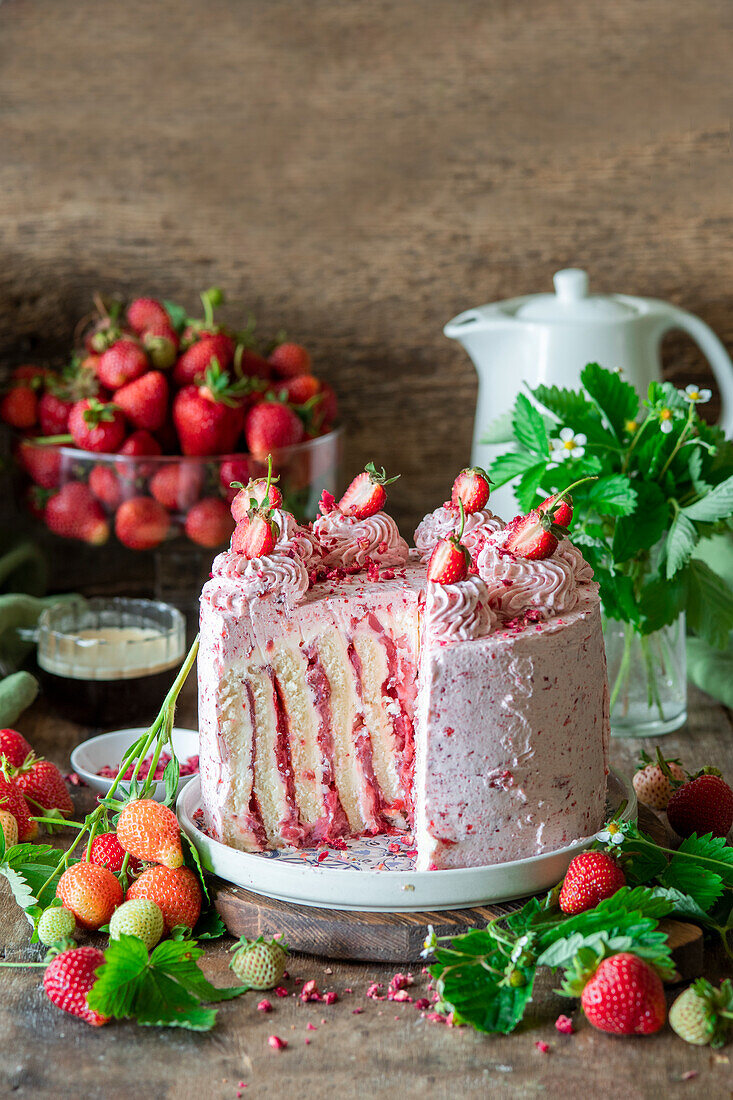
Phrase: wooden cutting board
(398, 937)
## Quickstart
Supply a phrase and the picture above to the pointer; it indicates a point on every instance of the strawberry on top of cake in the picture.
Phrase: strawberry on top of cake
(348, 688)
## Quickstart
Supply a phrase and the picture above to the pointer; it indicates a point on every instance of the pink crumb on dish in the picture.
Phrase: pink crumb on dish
(189, 766)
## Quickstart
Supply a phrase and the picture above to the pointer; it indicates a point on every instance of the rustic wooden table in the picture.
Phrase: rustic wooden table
(386, 1046)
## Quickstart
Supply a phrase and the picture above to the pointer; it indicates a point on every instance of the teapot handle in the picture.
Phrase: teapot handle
(715, 353)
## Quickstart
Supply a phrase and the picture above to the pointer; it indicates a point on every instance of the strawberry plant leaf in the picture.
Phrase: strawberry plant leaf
(27, 867)
(470, 980)
(685, 906)
(689, 878)
(717, 504)
(681, 541)
(709, 604)
(166, 988)
(191, 859)
(661, 601)
(569, 406)
(615, 399)
(529, 427)
(612, 495)
(209, 926)
(529, 483)
(177, 314)
(645, 527)
(709, 852)
(511, 465)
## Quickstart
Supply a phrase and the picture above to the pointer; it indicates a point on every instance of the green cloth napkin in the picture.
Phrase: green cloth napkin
(711, 669)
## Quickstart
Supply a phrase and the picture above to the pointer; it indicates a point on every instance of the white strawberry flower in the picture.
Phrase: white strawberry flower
(569, 445)
(429, 943)
(611, 835)
(665, 421)
(697, 396)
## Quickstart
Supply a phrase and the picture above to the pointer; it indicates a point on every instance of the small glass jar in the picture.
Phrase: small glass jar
(110, 661)
(647, 678)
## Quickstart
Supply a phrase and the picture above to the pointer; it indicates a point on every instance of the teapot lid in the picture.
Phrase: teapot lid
(571, 302)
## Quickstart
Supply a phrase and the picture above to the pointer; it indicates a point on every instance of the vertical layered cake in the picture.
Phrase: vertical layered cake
(349, 685)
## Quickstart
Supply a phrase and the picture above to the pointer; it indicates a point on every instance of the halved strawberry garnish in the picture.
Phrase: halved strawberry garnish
(563, 512)
(472, 488)
(262, 490)
(366, 496)
(255, 536)
(450, 559)
(535, 536)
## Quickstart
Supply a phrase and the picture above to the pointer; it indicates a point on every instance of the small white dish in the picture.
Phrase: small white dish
(109, 748)
(367, 876)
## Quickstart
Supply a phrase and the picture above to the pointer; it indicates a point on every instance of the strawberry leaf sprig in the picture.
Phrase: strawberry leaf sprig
(664, 482)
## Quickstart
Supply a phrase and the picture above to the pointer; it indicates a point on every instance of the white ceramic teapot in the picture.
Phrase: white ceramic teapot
(549, 338)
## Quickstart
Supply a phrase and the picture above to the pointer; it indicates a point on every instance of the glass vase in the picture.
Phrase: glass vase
(647, 678)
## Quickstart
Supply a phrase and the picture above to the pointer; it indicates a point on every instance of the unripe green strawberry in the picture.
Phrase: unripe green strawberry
(139, 917)
(55, 924)
(259, 963)
(702, 1014)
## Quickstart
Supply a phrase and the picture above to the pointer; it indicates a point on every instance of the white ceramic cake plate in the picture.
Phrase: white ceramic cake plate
(374, 873)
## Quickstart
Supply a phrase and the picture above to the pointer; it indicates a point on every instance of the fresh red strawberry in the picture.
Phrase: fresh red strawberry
(269, 426)
(563, 509)
(150, 831)
(19, 407)
(209, 523)
(704, 805)
(196, 360)
(255, 490)
(141, 523)
(144, 314)
(36, 500)
(533, 536)
(53, 414)
(31, 374)
(248, 363)
(14, 747)
(42, 785)
(161, 344)
(96, 425)
(108, 852)
(651, 782)
(176, 892)
(122, 363)
(366, 496)
(449, 561)
(42, 462)
(288, 360)
(298, 390)
(256, 537)
(102, 334)
(472, 488)
(140, 444)
(177, 486)
(106, 486)
(69, 977)
(11, 800)
(208, 418)
(591, 877)
(92, 893)
(75, 513)
(145, 401)
(625, 996)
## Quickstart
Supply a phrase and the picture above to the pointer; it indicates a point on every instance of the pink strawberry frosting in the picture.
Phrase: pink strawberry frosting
(549, 587)
(459, 612)
(346, 541)
(445, 521)
(280, 575)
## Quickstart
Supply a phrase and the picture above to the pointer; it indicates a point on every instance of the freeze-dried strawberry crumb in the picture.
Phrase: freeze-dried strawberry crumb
(310, 992)
(322, 856)
(422, 1003)
(388, 574)
(400, 995)
(400, 981)
(374, 991)
(437, 1018)
(280, 992)
(356, 1011)
(277, 1043)
(264, 1006)
(542, 1046)
(310, 1027)
(330, 998)
(564, 1025)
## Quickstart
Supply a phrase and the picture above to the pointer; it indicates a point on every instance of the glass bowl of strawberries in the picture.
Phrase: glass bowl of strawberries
(143, 434)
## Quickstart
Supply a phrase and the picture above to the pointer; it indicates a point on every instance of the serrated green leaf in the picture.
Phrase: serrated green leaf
(685, 905)
(616, 399)
(529, 483)
(612, 495)
(165, 988)
(662, 601)
(645, 527)
(690, 878)
(681, 541)
(529, 427)
(510, 465)
(715, 505)
(209, 926)
(499, 430)
(191, 859)
(709, 851)
(709, 604)
(663, 395)
(27, 868)
(695, 467)
(641, 859)
(617, 594)
(469, 983)
(171, 775)
(568, 406)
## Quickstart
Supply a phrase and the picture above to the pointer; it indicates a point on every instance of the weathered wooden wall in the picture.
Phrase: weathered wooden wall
(357, 172)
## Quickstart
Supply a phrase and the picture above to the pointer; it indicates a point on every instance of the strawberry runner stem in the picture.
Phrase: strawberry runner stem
(158, 734)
